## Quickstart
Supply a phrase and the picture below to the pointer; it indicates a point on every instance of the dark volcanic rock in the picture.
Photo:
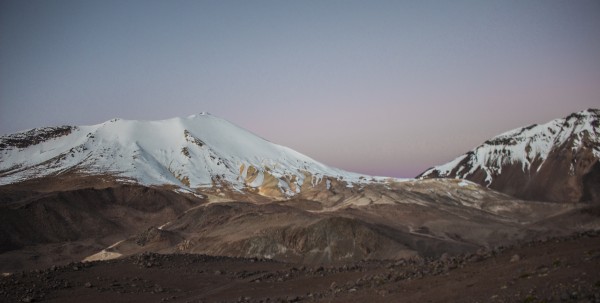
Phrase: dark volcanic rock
(34, 136)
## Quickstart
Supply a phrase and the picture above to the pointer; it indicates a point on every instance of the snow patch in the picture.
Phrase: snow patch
(463, 183)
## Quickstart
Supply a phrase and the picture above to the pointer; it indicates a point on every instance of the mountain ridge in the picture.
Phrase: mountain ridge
(525, 161)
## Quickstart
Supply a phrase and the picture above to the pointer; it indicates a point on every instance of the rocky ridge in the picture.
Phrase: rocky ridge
(556, 161)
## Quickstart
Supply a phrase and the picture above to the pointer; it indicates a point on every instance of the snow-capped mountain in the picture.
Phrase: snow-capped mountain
(556, 161)
(203, 185)
(199, 151)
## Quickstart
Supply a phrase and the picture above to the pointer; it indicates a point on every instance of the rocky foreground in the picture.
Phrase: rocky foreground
(565, 269)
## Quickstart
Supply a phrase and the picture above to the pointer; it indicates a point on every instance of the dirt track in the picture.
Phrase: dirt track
(556, 270)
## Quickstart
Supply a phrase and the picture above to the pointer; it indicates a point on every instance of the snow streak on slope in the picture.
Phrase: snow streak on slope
(528, 147)
(198, 151)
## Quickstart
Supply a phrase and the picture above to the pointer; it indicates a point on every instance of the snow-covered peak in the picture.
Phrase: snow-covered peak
(198, 115)
(200, 150)
(559, 129)
(527, 147)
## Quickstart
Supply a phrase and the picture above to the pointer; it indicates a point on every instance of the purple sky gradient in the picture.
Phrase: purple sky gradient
(378, 87)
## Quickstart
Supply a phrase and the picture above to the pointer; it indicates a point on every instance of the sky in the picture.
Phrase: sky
(385, 88)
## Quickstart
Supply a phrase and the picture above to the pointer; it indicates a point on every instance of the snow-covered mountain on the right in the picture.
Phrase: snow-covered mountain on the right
(556, 161)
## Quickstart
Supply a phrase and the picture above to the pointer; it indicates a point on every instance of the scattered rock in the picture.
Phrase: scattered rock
(534, 281)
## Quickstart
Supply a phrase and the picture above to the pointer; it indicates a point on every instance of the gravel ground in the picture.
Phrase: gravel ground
(565, 269)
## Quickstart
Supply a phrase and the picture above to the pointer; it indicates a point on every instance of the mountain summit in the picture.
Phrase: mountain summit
(199, 151)
(555, 161)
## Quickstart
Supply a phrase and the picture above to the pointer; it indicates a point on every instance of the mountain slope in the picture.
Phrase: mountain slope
(391, 221)
(41, 228)
(200, 151)
(556, 161)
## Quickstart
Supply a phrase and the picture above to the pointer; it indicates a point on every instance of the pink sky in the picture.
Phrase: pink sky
(377, 87)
